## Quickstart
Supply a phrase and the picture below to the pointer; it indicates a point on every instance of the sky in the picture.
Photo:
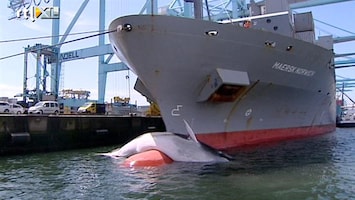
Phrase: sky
(83, 74)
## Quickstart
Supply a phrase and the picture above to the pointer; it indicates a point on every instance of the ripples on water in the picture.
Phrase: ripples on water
(316, 168)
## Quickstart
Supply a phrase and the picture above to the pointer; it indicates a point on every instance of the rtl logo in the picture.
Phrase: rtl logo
(35, 12)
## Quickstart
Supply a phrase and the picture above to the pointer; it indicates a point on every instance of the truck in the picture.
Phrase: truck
(92, 108)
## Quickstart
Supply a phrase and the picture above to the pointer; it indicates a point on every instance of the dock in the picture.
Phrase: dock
(346, 124)
(23, 134)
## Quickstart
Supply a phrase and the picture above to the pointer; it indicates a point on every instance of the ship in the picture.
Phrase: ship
(258, 79)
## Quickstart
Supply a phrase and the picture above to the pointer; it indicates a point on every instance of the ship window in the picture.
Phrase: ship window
(227, 93)
(268, 21)
(270, 43)
(289, 48)
(211, 33)
(275, 28)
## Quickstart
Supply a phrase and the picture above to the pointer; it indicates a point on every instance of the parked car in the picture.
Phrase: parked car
(16, 108)
(44, 107)
(93, 108)
(25, 105)
(4, 107)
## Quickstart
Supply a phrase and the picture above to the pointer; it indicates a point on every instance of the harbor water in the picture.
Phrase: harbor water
(321, 167)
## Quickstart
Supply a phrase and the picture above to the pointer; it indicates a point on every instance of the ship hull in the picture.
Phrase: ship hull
(290, 93)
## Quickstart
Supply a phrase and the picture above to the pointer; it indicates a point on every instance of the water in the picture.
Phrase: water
(315, 168)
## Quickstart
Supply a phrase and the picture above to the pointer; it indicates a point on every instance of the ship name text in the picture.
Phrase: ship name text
(293, 69)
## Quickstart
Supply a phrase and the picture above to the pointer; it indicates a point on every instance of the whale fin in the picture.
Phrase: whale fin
(193, 137)
(190, 132)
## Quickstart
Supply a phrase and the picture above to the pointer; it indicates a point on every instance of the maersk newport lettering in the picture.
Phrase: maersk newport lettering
(292, 69)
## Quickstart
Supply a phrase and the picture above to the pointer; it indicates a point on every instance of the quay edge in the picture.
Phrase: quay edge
(22, 134)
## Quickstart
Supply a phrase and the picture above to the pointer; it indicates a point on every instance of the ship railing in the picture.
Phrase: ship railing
(214, 10)
(253, 17)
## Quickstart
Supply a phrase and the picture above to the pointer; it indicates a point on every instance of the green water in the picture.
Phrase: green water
(315, 168)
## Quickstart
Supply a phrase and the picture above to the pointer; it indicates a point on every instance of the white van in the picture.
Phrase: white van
(44, 107)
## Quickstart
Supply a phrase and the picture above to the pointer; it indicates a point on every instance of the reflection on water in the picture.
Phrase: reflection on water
(316, 168)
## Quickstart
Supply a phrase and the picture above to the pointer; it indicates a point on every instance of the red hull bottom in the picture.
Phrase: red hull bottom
(231, 140)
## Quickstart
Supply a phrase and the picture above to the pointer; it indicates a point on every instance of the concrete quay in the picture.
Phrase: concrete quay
(21, 134)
